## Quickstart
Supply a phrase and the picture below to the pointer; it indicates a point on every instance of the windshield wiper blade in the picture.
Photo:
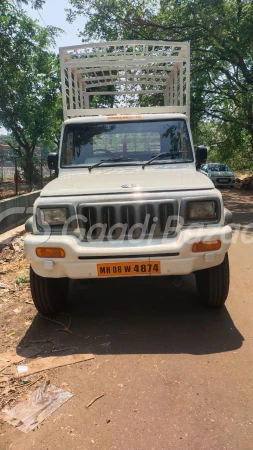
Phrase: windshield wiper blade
(176, 161)
(160, 155)
(111, 160)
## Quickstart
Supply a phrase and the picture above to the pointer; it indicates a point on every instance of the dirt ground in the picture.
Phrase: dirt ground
(174, 375)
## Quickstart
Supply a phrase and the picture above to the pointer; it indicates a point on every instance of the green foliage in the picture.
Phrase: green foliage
(3, 138)
(225, 143)
(30, 82)
(102, 101)
(36, 4)
(221, 55)
(22, 279)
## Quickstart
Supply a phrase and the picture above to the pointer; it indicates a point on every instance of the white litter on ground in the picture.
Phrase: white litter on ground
(27, 415)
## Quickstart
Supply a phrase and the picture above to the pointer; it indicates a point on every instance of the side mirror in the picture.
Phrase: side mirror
(201, 155)
(52, 161)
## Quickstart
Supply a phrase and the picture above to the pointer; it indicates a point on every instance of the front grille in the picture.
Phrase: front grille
(223, 180)
(135, 220)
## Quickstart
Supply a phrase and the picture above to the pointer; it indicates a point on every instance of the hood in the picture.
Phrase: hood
(221, 174)
(112, 180)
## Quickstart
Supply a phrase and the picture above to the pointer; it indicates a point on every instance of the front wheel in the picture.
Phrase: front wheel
(213, 284)
(49, 294)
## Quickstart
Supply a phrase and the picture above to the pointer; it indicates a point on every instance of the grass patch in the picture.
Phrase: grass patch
(22, 279)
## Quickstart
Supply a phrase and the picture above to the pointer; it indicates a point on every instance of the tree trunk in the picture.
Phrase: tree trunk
(250, 125)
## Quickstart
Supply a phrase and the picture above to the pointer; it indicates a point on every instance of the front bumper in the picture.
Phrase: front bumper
(175, 254)
(216, 181)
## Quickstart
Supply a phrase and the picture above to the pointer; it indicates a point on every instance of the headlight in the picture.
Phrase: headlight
(202, 210)
(53, 216)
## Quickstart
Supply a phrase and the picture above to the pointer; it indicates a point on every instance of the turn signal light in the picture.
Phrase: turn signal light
(50, 252)
(206, 246)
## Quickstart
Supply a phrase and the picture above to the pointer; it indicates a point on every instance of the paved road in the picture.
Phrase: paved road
(175, 375)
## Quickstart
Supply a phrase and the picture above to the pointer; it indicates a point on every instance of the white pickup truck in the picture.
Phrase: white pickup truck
(128, 200)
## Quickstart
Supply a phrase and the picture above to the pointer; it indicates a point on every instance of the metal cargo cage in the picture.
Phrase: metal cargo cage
(127, 69)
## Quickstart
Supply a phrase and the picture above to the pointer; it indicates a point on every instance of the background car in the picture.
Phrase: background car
(220, 174)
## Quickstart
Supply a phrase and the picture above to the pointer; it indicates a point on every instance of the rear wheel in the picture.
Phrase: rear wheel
(49, 294)
(213, 284)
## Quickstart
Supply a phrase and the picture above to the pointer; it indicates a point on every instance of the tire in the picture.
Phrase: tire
(49, 294)
(213, 284)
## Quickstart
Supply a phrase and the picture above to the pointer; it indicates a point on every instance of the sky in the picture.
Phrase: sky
(53, 14)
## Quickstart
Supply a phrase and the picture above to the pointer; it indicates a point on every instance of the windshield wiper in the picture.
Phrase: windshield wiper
(160, 155)
(120, 159)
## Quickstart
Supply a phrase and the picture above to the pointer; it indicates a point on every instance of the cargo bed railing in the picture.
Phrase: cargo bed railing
(127, 69)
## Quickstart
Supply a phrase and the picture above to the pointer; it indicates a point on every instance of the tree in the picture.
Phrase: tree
(221, 51)
(30, 82)
(36, 4)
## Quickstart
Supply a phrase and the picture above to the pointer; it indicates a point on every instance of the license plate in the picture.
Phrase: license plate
(223, 180)
(128, 268)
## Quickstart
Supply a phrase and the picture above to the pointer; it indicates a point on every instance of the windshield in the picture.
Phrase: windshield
(219, 168)
(89, 143)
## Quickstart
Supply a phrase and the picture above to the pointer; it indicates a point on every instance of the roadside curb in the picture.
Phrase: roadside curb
(7, 237)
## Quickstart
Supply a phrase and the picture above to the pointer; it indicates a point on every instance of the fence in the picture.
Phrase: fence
(19, 175)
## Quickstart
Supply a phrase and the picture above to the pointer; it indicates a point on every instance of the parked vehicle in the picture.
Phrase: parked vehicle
(128, 200)
(220, 174)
